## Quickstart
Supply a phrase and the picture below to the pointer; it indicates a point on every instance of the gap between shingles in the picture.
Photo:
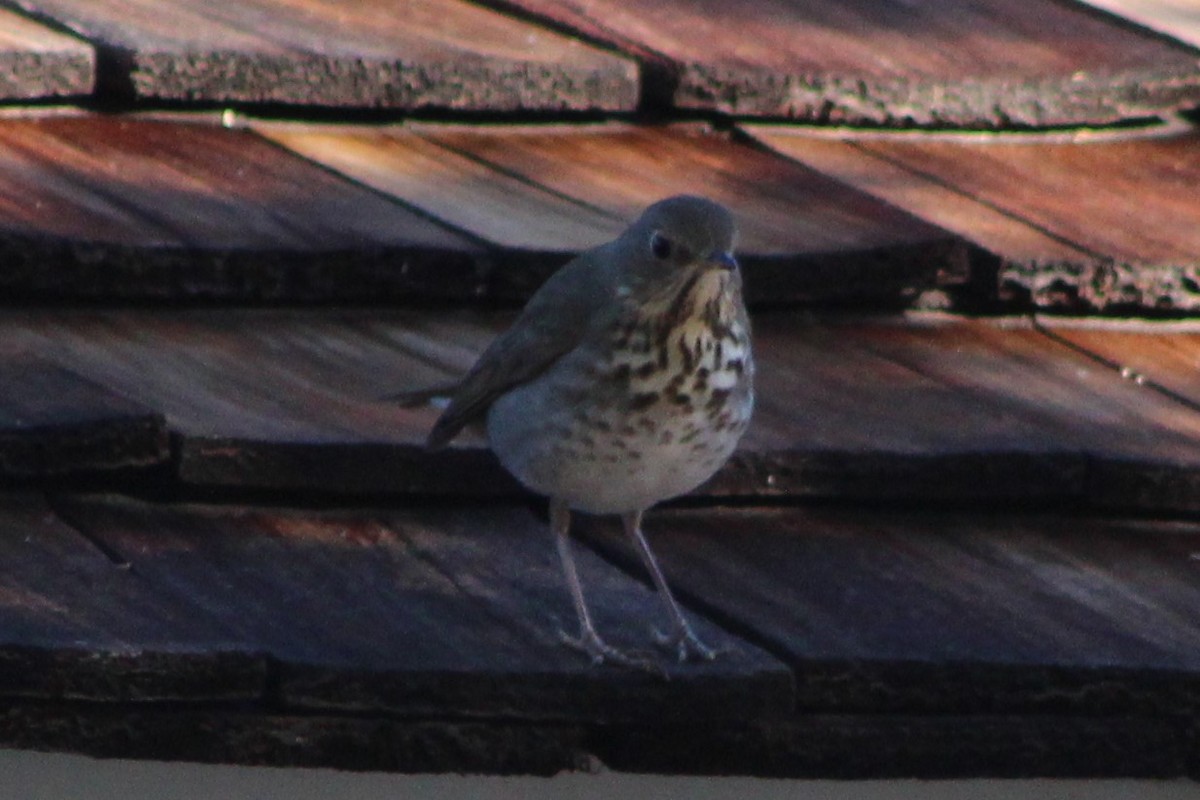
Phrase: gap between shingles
(71, 521)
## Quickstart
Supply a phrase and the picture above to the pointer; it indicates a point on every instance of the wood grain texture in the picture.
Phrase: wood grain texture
(376, 54)
(98, 206)
(1177, 18)
(54, 422)
(942, 63)
(1079, 224)
(932, 747)
(441, 612)
(955, 612)
(37, 62)
(544, 192)
(854, 747)
(258, 737)
(1164, 356)
(77, 625)
(933, 407)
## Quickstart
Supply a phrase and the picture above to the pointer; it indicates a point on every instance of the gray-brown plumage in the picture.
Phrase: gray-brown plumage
(626, 380)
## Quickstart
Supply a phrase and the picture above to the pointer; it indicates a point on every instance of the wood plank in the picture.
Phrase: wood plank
(898, 746)
(76, 625)
(949, 613)
(542, 193)
(1055, 210)
(854, 747)
(445, 612)
(940, 63)
(1161, 355)
(37, 62)
(376, 54)
(926, 407)
(270, 738)
(1177, 18)
(55, 422)
(94, 206)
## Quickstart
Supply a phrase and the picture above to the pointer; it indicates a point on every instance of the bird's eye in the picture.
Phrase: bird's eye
(661, 246)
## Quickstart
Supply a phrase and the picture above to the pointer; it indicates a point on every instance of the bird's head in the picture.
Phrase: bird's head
(675, 240)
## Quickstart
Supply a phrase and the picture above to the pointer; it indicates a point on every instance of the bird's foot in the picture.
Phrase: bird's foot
(686, 645)
(600, 652)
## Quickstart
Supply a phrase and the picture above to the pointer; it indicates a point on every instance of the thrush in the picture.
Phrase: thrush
(626, 380)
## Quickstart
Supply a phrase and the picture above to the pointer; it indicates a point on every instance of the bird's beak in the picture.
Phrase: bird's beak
(725, 261)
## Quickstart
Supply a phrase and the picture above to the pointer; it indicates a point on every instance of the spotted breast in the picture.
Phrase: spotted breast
(649, 409)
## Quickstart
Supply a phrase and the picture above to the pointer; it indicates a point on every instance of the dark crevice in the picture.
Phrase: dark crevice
(70, 520)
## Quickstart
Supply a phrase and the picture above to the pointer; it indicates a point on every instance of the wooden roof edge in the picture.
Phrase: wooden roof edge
(1168, 125)
(844, 747)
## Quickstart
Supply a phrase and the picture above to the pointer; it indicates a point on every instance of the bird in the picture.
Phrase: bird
(626, 380)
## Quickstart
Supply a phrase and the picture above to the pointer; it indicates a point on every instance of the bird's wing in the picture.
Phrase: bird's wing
(553, 323)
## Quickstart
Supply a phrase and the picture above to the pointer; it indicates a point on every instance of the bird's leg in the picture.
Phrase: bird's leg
(681, 638)
(588, 640)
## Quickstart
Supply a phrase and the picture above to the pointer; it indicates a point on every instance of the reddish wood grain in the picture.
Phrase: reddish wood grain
(553, 190)
(1164, 356)
(979, 63)
(1106, 222)
(415, 54)
(111, 207)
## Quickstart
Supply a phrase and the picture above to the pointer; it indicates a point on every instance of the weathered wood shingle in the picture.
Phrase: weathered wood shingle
(376, 54)
(37, 63)
(941, 63)
(1078, 223)
(544, 192)
(109, 208)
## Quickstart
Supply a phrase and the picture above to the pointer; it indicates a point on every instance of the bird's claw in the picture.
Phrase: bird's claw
(599, 652)
(686, 644)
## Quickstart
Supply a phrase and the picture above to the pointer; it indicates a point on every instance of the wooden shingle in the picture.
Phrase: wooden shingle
(544, 192)
(94, 206)
(39, 63)
(937, 409)
(377, 54)
(55, 422)
(442, 613)
(1099, 222)
(941, 63)
(78, 624)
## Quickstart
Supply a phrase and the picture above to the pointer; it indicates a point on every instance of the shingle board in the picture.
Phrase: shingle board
(445, 613)
(1177, 18)
(942, 63)
(543, 192)
(917, 611)
(39, 63)
(415, 54)
(1079, 222)
(55, 422)
(933, 407)
(109, 207)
